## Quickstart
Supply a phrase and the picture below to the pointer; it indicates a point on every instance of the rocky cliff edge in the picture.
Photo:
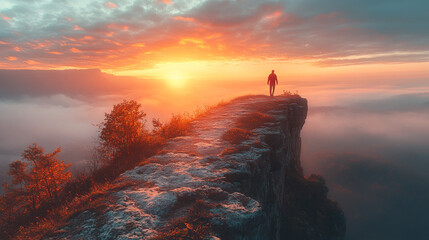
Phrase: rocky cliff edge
(236, 176)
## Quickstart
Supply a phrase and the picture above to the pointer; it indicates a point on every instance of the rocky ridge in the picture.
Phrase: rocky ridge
(204, 184)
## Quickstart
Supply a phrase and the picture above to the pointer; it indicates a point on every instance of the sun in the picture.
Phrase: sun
(176, 80)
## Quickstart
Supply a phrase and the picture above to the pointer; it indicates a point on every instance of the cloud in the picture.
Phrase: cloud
(51, 121)
(330, 33)
(110, 5)
(87, 85)
(410, 102)
(166, 1)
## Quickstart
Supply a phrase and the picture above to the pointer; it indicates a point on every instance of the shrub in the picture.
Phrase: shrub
(288, 93)
(194, 226)
(179, 125)
(253, 120)
(237, 135)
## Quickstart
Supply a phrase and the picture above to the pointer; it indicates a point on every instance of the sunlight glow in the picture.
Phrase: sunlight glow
(176, 80)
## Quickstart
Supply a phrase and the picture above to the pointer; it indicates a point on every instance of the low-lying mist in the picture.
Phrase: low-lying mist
(374, 154)
(370, 143)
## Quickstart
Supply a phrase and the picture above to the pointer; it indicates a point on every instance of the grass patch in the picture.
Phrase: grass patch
(253, 120)
(237, 135)
(194, 226)
(58, 216)
(287, 93)
(235, 149)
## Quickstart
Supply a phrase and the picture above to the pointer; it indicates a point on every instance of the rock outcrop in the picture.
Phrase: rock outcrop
(209, 185)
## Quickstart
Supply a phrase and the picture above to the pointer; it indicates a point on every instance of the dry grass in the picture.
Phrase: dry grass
(237, 135)
(180, 124)
(246, 97)
(287, 93)
(235, 149)
(194, 226)
(59, 215)
(253, 120)
(203, 111)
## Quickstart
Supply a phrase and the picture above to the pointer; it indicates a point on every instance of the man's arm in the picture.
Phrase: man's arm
(277, 82)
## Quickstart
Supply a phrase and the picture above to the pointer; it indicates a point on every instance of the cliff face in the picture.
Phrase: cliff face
(205, 185)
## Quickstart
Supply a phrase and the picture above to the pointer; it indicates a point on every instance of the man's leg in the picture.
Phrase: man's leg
(272, 88)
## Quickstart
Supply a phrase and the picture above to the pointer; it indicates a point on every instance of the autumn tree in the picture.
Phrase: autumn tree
(9, 207)
(123, 128)
(39, 176)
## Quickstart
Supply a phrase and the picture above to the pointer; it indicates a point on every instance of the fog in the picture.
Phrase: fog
(370, 143)
(374, 154)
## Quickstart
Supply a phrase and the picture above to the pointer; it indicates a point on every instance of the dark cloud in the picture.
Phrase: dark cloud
(395, 18)
(233, 13)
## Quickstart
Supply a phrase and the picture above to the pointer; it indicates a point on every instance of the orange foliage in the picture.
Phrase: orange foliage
(123, 127)
(195, 225)
(237, 135)
(253, 120)
(41, 176)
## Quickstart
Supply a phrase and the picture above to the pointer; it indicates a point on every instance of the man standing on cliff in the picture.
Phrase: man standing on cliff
(272, 81)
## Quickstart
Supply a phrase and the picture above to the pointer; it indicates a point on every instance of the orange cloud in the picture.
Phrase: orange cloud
(56, 53)
(110, 5)
(114, 42)
(138, 45)
(186, 19)
(69, 38)
(11, 58)
(169, 2)
(118, 26)
(1, 42)
(274, 15)
(76, 27)
(75, 50)
(5, 17)
(31, 62)
(37, 45)
(18, 49)
(197, 41)
(88, 38)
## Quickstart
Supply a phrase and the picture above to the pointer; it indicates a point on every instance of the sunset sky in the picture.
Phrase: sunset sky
(362, 65)
(178, 40)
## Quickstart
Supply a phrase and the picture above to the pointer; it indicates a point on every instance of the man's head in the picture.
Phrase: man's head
(272, 71)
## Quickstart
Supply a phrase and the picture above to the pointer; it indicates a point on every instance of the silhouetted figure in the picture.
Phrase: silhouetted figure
(272, 81)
